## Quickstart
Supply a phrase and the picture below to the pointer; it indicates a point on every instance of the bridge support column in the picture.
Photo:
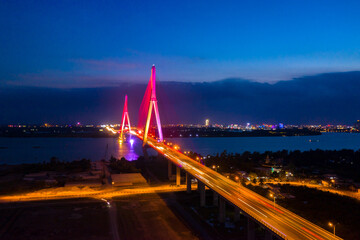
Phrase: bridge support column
(178, 175)
(201, 187)
(169, 170)
(215, 199)
(222, 209)
(236, 214)
(188, 183)
(250, 229)
(146, 155)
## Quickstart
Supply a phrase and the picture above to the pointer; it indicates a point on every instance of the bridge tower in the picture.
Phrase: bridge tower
(125, 118)
(152, 105)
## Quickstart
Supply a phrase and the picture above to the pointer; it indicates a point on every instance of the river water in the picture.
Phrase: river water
(31, 150)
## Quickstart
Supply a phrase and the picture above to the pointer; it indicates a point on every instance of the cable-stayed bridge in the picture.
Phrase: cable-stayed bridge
(279, 222)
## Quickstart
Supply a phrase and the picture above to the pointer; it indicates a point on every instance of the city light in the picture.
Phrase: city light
(332, 225)
(273, 195)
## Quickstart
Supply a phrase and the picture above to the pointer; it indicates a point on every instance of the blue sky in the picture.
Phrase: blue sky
(70, 44)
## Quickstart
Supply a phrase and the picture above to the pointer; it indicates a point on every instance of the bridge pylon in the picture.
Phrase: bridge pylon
(152, 105)
(125, 118)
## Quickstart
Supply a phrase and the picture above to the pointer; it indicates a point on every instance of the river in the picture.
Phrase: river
(31, 150)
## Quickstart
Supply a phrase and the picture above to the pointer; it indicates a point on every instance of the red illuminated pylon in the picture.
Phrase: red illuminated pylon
(125, 117)
(152, 105)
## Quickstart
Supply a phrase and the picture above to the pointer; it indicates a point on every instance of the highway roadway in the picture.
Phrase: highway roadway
(281, 221)
(57, 193)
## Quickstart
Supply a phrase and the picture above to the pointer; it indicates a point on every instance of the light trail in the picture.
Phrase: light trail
(252, 207)
(52, 194)
(280, 220)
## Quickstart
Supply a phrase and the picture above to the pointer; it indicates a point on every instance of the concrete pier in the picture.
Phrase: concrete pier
(250, 229)
(201, 187)
(169, 170)
(178, 176)
(236, 214)
(222, 210)
(188, 183)
(215, 199)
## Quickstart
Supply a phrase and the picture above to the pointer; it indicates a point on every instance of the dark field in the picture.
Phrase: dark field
(147, 216)
(67, 219)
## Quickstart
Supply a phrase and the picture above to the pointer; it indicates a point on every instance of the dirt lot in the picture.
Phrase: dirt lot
(66, 219)
(148, 217)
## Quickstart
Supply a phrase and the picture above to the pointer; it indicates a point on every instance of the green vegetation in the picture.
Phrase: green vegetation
(54, 165)
(345, 163)
(123, 166)
(11, 176)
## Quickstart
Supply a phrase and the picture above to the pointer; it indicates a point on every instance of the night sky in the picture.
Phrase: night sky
(98, 46)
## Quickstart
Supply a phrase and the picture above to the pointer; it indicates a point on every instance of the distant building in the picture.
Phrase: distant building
(125, 179)
(97, 166)
(267, 159)
(84, 183)
(207, 122)
(357, 125)
(47, 177)
(241, 174)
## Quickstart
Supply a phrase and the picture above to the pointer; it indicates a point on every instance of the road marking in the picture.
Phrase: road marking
(224, 190)
(253, 208)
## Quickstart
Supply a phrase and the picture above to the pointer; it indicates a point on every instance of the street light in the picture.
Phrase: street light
(332, 225)
(237, 179)
(273, 195)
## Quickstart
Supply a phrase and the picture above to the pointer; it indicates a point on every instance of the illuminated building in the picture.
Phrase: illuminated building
(207, 122)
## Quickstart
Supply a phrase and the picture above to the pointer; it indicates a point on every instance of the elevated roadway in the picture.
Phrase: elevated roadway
(280, 221)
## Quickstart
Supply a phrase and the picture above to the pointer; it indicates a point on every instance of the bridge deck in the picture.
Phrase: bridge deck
(281, 221)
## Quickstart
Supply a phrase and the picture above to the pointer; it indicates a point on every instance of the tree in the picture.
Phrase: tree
(261, 181)
(252, 176)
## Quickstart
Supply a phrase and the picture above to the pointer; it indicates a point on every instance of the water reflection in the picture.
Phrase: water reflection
(21, 150)
(130, 149)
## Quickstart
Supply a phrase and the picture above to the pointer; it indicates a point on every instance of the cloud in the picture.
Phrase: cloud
(320, 99)
(59, 79)
(136, 68)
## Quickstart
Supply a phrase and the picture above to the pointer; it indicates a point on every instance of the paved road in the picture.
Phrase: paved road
(281, 221)
(108, 193)
(113, 219)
